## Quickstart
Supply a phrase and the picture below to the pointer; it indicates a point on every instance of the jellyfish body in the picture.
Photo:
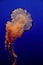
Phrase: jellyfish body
(21, 15)
(20, 21)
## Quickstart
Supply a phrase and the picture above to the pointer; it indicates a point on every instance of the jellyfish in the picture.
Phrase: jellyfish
(21, 21)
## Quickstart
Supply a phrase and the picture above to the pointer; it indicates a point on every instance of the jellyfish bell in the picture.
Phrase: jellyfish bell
(23, 17)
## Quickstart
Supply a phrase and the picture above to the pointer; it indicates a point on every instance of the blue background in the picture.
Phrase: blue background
(29, 47)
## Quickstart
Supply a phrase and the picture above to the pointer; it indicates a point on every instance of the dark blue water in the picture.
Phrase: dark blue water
(29, 47)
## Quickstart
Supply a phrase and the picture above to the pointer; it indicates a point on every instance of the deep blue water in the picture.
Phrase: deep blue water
(29, 47)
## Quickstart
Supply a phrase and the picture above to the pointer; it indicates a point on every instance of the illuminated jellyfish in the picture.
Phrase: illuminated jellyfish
(20, 21)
